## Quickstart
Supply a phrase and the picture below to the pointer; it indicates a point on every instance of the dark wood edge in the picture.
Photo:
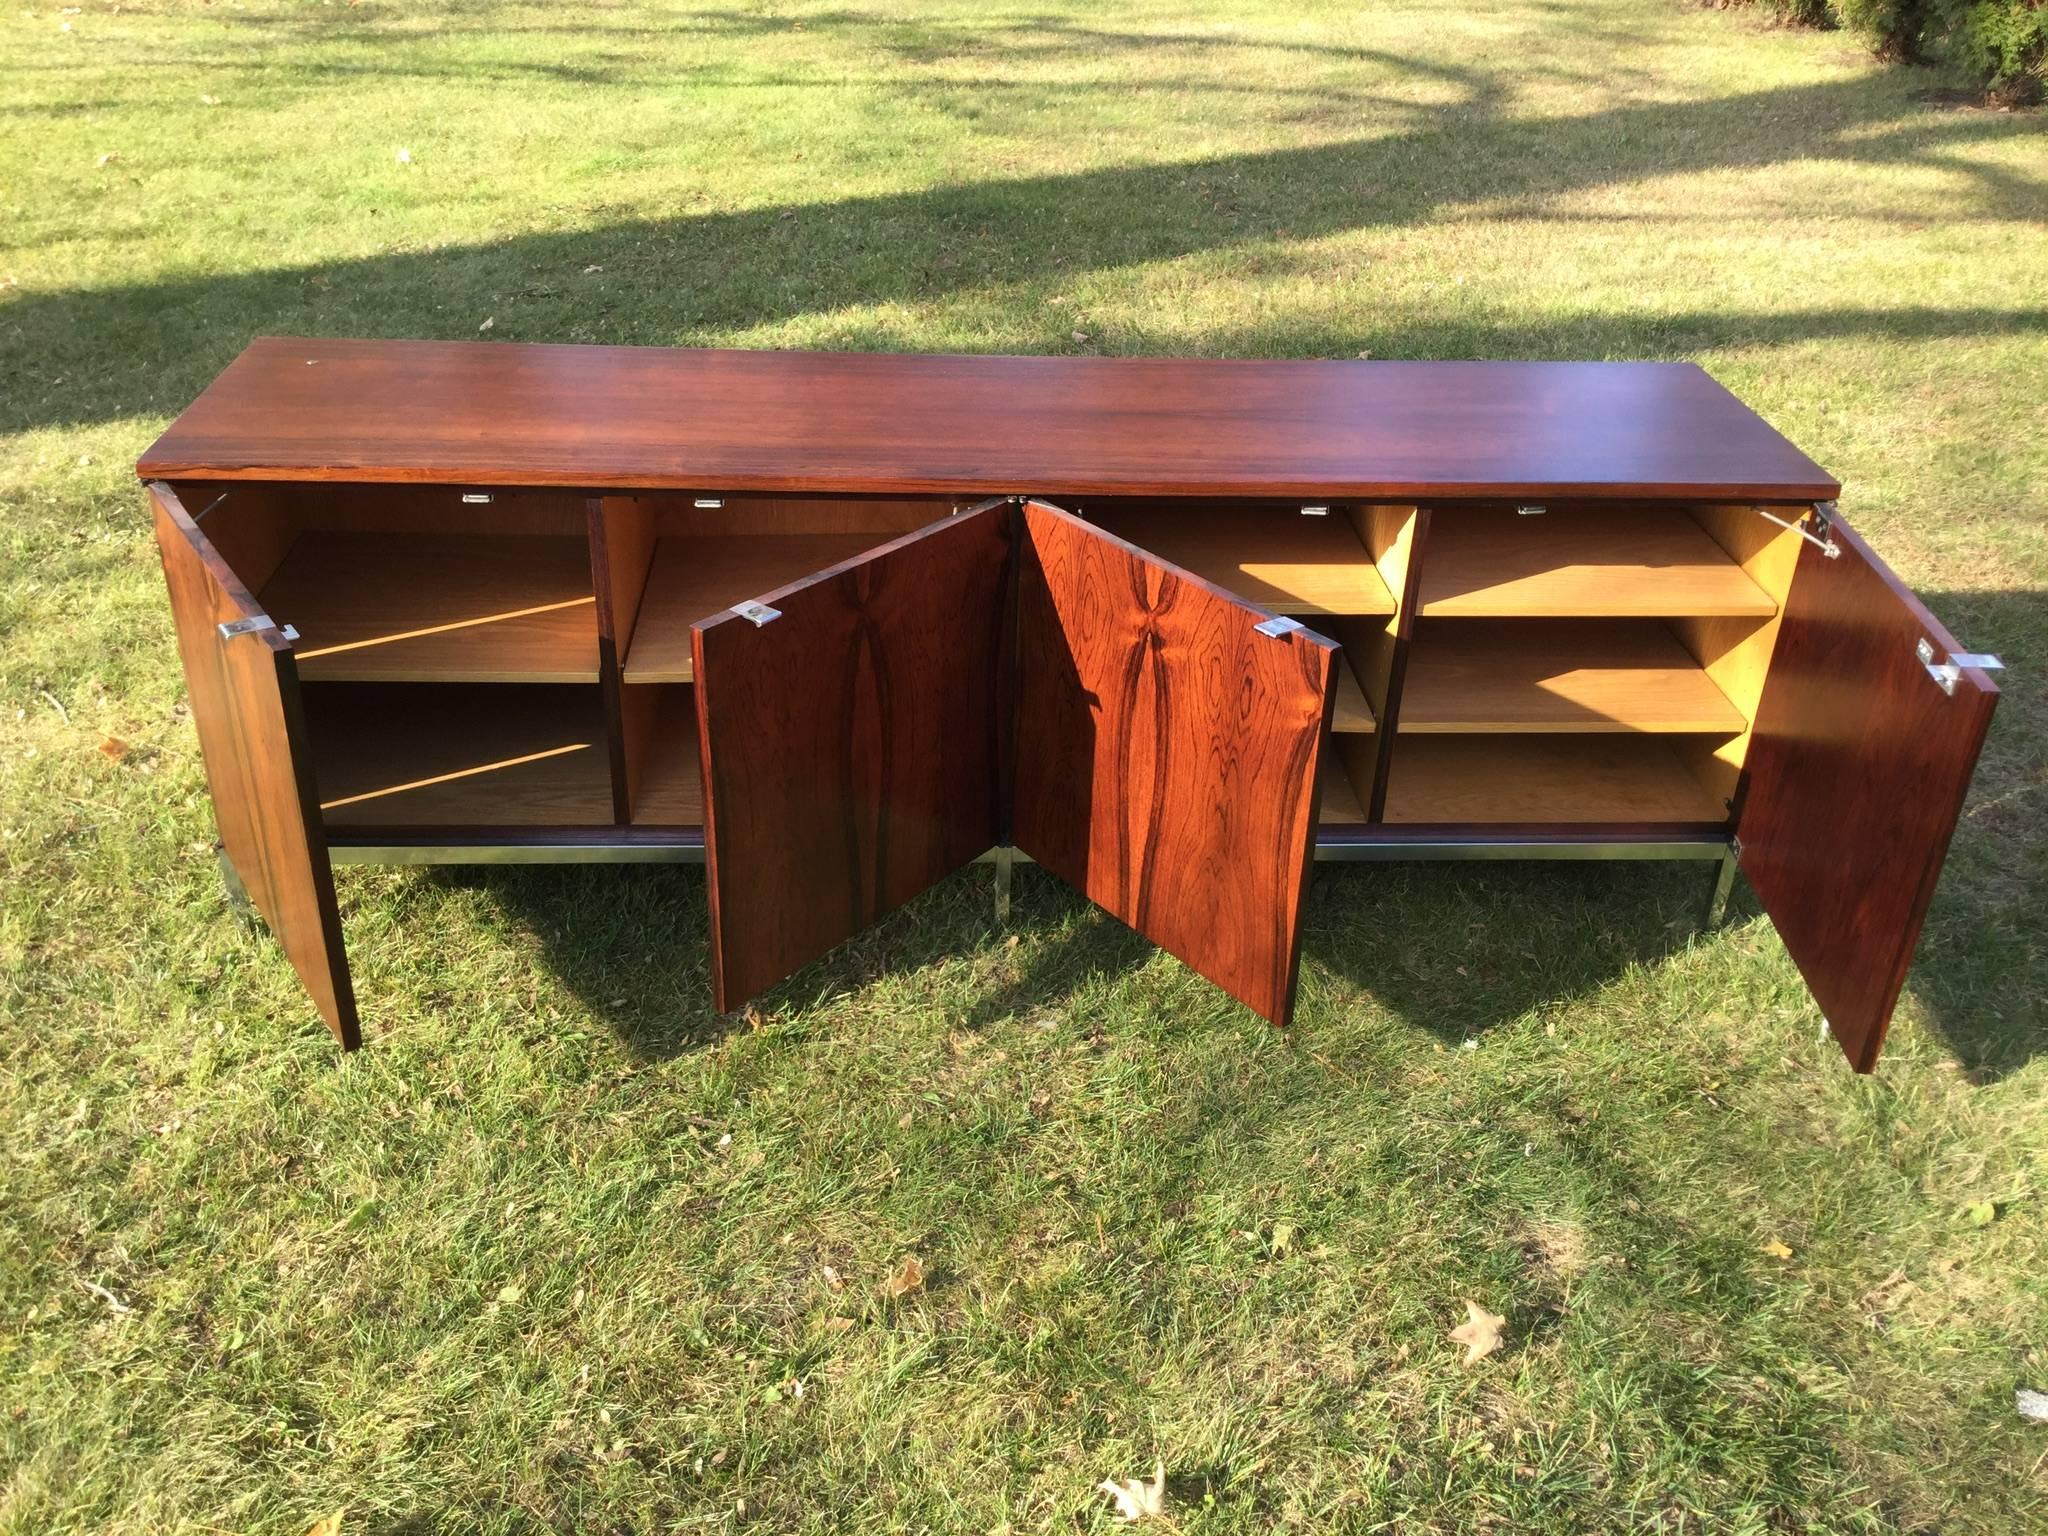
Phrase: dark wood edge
(469, 834)
(1306, 852)
(1389, 723)
(610, 678)
(1481, 833)
(1008, 661)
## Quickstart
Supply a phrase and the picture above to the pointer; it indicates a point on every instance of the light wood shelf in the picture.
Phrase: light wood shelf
(1277, 559)
(694, 578)
(1574, 564)
(1615, 675)
(1352, 716)
(506, 755)
(671, 788)
(1339, 805)
(478, 608)
(1538, 779)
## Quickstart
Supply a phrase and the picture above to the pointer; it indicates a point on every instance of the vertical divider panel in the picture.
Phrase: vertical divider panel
(1397, 538)
(1736, 652)
(622, 534)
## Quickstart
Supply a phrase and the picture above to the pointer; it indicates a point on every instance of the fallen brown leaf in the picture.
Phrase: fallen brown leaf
(114, 748)
(1480, 1333)
(326, 1525)
(909, 1277)
(1777, 1250)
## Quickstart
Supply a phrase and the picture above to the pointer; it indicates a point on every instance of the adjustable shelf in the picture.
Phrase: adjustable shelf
(1572, 564)
(478, 608)
(1278, 559)
(1520, 675)
(447, 755)
(1539, 779)
(694, 578)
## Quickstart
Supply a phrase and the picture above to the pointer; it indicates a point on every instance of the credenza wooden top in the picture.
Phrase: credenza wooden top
(482, 413)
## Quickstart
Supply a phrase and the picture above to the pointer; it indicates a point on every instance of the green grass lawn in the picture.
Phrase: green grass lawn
(565, 1251)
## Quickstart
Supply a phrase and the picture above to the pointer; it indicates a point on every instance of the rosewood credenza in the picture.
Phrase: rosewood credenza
(838, 624)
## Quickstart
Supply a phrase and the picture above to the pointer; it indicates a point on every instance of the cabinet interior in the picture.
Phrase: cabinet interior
(525, 660)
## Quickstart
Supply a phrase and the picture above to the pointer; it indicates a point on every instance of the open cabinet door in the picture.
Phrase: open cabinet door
(244, 686)
(849, 727)
(1856, 774)
(1167, 752)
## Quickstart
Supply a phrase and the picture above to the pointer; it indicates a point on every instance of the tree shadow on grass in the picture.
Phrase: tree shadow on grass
(90, 353)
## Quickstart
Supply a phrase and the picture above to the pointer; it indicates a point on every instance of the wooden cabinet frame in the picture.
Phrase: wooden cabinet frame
(1259, 637)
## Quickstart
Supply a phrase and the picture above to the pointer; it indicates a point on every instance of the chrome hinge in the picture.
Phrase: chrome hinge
(983, 506)
(1315, 511)
(476, 498)
(708, 501)
(1278, 625)
(1946, 672)
(255, 624)
(757, 614)
(1530, 510)
(1735, 846)
(1821, 535)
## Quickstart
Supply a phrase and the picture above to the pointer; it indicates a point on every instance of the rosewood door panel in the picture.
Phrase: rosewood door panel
(1855, 778)
(850, 744)
(252, 734)
(1167, 752)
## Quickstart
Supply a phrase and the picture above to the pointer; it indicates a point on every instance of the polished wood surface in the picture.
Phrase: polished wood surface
(587, 417)
(1528, 780)
(698, 578)
(850, 746)
(1857, 772)
(1648, 563)
(1274, 557)
(1167, 753)
(442, 754)
(1552, 675)
(245, 703)
(394, 607)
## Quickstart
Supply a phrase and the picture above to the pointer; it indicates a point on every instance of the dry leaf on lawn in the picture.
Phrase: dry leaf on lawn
(114, 747)
(1777, 1250)
(326, 1525)
(1479, 1333)
(909, 1277)
(1136, 1499)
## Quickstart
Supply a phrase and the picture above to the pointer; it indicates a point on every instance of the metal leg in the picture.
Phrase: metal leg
(1005, 860)
(238, 893)
(1724, 882)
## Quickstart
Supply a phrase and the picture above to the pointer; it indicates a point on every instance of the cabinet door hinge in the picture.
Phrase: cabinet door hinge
(1946, 672)
(1821, 535)
(757, 614)
(1278, 625)
(256, 623)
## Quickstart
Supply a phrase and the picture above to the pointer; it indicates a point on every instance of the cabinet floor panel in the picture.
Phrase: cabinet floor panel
(1613, 675)
(694, 578)
(395, 607)
(1578, 564)
(1352, 714)
(1532, 779)
(671, 788)
(1277, 559)
(444, 755)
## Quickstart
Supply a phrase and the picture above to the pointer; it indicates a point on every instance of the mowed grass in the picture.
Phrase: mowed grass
(564, 1250)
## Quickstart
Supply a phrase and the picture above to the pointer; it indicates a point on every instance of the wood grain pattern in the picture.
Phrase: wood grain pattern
(443, 754)
(1559, 675)
(696, 579)
(1651, 563)
(245, 704)
(755, 515)
(850, 746)
(651, 418)
(1858, 768)
(1274, 557)
(382, 607)
(1529, 780)
(1167, 753)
